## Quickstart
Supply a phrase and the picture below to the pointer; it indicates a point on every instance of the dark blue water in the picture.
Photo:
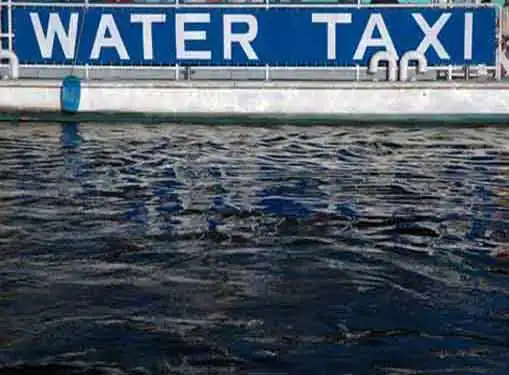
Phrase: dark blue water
(252, 250)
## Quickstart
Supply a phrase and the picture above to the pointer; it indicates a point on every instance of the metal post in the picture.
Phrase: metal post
(9, 24)
(1, 30)
(501, 48)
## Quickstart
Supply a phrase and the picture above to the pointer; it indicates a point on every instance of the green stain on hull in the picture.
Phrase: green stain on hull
(228, 119)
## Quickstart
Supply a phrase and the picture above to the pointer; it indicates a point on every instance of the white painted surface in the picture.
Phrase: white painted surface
(266, 99)
(26, 98)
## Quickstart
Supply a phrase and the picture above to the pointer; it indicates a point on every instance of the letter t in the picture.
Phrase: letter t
(331, 19)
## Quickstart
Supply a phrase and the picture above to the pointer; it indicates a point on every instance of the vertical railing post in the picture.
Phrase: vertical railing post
(500, 47)
(1, 29)
(9, 24)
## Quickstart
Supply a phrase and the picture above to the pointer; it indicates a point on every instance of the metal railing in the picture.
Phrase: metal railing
(266, 72)
(258, 73)
(6, 33)
(270, 2)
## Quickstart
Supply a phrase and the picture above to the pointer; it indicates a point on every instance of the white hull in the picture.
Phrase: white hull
(348, 100)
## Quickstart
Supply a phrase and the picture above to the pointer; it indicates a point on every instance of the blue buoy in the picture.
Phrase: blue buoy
(70, 94)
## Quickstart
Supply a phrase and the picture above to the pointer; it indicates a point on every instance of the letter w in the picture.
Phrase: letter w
(67, 39)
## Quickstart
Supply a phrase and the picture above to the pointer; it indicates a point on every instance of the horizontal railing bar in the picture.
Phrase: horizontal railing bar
(254, 5)
(171, 68)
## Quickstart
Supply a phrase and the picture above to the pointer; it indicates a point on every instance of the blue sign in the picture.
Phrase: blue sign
(254, 36)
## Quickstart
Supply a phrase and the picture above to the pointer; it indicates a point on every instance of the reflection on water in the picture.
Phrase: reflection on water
(289, 250)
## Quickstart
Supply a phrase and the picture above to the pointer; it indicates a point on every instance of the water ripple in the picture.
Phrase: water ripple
(277, 250)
